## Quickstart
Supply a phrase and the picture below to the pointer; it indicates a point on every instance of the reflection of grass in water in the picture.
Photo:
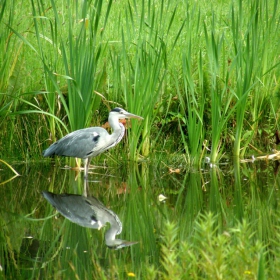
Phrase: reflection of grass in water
(178, 237)
(10, 167)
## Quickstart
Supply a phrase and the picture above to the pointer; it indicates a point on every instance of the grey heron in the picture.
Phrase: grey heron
(89, 142)
(89, 212)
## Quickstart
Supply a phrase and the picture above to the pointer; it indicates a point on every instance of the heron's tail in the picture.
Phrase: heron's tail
(50, 151)
(50, 197)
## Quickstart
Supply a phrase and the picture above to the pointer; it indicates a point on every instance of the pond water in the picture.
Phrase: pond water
(38, 243)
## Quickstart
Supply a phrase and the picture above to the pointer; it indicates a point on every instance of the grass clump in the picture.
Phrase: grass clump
(211, 254)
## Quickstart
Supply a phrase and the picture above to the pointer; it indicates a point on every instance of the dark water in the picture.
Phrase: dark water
(36, 244)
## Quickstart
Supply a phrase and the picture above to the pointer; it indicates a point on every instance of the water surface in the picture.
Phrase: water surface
(38, 243)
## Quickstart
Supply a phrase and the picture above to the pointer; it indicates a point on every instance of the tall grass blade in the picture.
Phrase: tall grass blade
(10, 167)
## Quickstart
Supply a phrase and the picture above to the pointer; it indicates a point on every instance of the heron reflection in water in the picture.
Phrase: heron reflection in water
(89, 212)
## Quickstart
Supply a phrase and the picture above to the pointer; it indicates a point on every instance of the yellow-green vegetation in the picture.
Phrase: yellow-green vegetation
(205, 77)
(210, 254)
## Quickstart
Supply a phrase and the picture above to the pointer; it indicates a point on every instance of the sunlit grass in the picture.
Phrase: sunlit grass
(210, 72)
(71, 68)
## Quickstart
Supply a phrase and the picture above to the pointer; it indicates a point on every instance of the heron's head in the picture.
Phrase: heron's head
(123, 114)
(118, 244)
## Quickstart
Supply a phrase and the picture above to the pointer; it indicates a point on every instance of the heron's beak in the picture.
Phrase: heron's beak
(123, 244)
(132, 116)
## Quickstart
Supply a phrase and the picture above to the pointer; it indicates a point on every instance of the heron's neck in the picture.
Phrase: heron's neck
(118, 131)
(111, 233)
(115, 228)
(110, 236)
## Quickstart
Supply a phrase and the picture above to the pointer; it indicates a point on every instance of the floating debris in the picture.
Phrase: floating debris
(177, 170)
(161, 197)
(274, 156)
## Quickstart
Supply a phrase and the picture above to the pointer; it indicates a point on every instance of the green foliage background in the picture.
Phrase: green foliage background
(204, 75)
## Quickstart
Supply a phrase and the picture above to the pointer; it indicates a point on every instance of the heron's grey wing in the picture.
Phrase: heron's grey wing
(74, 208)
(82, 143)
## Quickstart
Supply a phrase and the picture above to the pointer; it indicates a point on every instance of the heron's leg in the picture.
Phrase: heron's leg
(86, 164)
(85, 188)
(78, 165)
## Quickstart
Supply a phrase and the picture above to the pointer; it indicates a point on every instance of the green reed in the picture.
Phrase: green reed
(80, 60)
(245, 54)
(220, 96)
(11, 82)
(140, 65)
(235, 75)
(71, 74)
(254, 62)
(192, 94)
(4, 46)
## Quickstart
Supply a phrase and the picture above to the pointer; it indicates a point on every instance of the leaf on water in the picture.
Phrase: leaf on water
(161, 197)
(177, 170)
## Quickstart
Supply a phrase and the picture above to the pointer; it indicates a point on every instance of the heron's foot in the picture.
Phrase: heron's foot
(77, 168)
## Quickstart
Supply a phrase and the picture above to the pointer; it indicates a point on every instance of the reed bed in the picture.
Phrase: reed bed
(205, 79)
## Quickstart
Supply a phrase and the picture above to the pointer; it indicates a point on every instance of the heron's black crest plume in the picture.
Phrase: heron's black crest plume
(117, 109)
